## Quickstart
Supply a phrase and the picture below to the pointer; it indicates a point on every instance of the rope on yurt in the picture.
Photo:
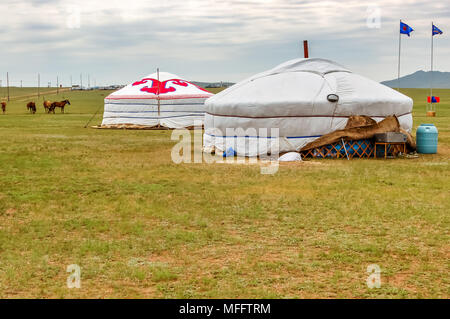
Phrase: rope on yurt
(93, 116)
(345, 149)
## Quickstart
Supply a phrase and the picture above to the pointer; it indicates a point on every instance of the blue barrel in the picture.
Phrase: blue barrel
(427, 139)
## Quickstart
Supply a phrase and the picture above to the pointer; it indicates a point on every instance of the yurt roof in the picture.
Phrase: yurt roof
(300, 87)
(314, 65)
(161, 86)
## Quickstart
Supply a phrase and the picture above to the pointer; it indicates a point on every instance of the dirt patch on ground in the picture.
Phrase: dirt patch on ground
(443, 150)
(302, 163)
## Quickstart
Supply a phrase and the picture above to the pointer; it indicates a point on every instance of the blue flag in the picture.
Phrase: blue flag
(405, 29)
(436, 30)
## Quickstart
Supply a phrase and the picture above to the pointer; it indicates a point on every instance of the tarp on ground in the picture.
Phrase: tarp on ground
(359, 128)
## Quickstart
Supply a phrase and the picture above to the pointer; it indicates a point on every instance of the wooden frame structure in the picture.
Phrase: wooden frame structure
(366, 148)
(343, 149)
(391, 147)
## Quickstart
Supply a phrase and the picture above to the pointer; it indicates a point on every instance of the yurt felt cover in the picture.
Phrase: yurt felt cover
(293, 97)
(181, 103)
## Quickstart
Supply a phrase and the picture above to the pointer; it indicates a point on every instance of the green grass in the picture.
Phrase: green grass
(139, 225)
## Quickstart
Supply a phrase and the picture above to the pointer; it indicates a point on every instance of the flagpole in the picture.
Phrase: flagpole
(431, 74)
(399, 50)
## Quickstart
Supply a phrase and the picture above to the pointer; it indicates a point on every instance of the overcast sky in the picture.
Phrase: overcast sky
(118, 41)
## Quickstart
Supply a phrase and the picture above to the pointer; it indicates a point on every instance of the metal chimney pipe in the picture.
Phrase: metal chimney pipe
(305, 49)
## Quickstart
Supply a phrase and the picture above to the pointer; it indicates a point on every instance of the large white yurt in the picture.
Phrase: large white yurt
(159, 99)
(304, 99)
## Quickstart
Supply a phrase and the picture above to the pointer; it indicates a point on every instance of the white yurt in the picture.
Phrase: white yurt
(304, 99)
(159, 99)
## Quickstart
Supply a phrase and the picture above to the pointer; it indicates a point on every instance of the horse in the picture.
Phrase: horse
(61, 104)
(4, 107)
(47, 105)
(31, 106)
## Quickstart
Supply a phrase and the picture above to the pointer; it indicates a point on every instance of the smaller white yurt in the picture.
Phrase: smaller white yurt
(159, 99)
(302, 99)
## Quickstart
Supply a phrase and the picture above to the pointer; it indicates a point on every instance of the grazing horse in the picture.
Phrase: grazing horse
(47, 105)
(61, 104)
(31, 106)
(4, 107)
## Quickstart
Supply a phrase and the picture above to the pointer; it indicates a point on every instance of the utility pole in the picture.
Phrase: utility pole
(81, 80)
(39, 85)
(89, 81)
(7, 83)
(71, 81)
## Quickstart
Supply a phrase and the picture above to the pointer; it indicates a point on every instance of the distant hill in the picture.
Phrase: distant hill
(421, 80)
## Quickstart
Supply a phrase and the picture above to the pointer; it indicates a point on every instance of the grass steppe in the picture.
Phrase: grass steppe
(113, 202)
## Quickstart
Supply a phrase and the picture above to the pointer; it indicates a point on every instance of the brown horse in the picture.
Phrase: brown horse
(47, 105)
(4, 107)
(61, 104)
(31, 106)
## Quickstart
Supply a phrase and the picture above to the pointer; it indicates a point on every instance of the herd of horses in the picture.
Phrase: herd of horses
(49, 107)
